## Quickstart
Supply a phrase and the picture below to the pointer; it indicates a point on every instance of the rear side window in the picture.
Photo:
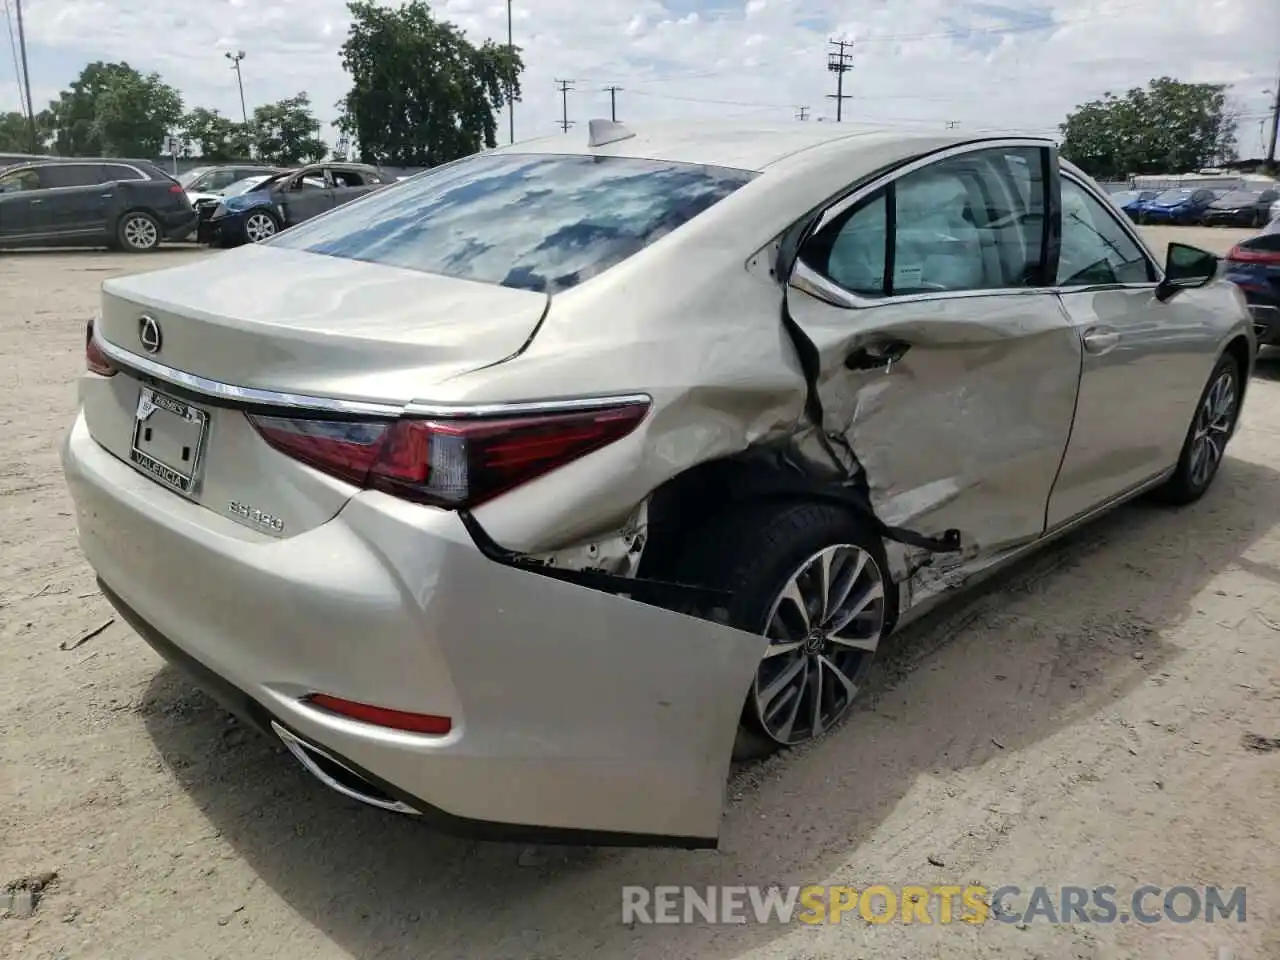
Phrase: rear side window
(69, 175)
(535, 222)
(115, 171)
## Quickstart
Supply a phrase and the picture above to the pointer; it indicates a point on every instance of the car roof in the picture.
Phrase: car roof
(736, 144)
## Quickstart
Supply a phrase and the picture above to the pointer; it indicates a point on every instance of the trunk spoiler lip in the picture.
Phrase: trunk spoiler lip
(255, 398)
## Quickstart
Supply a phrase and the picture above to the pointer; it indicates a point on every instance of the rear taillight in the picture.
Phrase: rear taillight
(1243, 254)
(176, 188)
(450, 463)
(94, 359)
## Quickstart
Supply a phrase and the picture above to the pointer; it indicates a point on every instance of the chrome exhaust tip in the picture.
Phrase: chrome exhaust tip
(336, 775)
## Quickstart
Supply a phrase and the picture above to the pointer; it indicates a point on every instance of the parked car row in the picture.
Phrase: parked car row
(1189, 206)
(1253, 265)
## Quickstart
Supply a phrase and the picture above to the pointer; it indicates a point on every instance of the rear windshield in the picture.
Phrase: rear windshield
(1239, 197)
(1180, 194)
(535, 222)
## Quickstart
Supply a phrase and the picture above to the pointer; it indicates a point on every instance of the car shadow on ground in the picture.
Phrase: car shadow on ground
(988, 675)
(164, 248)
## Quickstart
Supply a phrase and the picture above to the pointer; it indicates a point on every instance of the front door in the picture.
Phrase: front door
(347, 185)
(1122, 436)
(17, 212)
(942, 267)
(304, 196)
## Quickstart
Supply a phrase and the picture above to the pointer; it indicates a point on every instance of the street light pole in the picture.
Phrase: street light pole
(511, 107)
(235, 59)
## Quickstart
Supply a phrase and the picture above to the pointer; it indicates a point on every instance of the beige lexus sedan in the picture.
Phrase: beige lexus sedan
(521, 494)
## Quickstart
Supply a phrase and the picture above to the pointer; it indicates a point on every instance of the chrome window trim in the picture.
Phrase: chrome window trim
(808, 280)
(306, 403)
(1127, 228)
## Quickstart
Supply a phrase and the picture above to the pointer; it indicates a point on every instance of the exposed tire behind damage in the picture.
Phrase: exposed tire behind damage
(812, 577)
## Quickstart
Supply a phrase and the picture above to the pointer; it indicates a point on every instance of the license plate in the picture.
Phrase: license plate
(168, 439)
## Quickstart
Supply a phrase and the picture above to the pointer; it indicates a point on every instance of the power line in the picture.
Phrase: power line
(839, 63)
(564, 86)
(17, 67)
(613, 101)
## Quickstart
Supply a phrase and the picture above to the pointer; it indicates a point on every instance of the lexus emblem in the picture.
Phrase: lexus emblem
(149, 334)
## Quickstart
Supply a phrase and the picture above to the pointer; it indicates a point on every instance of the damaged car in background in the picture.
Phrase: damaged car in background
(522, 494)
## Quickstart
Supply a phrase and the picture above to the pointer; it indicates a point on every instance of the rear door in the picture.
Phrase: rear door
(75, 200)
(304, 195)
(940, 267)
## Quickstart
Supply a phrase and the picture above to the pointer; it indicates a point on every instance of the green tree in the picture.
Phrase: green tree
(113, 110)
(285, 132)
(15, 133)
(215, 136)
(1170, 127)
(421, 93)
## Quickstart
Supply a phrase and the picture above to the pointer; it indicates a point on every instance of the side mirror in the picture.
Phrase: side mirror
(1186, 268)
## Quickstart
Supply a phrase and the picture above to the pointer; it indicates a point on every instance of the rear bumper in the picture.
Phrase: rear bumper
(178, 225)
(578, 717)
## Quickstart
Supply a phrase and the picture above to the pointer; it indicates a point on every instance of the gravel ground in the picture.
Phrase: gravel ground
(1105, 715)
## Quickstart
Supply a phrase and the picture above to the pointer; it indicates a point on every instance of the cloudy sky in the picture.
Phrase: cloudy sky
(916, 63)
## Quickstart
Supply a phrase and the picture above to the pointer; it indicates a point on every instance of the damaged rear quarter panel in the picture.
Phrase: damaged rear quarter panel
(968, 429)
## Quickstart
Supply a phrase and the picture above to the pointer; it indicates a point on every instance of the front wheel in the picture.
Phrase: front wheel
(1206, 443)
(260, 225)
(138, 232)
(813, 580)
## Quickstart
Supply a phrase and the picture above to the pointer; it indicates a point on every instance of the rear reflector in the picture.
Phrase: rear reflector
(381, 716)
(452, 463)
(1242, 254)
(94, 359)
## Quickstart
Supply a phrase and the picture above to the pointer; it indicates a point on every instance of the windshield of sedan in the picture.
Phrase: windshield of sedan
(534, 222)
(191, 176)
(1123, 197)
(1172, 196)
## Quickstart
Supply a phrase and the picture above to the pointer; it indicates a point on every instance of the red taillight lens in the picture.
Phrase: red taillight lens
(176, 188)
(448, 463)
(1242, 254)
(94, 359)
(382, 716)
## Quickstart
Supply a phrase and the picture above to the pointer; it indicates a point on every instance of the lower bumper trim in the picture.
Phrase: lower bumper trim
(255, 714)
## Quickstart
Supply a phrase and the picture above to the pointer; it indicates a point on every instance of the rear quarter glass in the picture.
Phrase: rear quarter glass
(543, 223)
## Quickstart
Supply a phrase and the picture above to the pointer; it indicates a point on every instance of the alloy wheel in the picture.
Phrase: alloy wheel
(823, 627)
(258, 227)
(1214, 421)
(141, 233)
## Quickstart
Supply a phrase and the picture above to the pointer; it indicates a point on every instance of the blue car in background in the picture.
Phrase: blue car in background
(1131, 201)
(1253, 265)
(1182, 205)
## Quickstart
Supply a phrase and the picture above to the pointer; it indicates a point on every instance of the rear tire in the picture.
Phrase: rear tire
(812, 578)
(138, 232)
(1211, 427)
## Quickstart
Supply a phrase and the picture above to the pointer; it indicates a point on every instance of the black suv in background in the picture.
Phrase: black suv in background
(121, 204)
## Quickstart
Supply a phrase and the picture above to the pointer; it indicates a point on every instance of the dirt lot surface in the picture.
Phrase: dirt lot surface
(1106, 715)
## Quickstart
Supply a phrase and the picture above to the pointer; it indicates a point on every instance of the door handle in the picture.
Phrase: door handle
(1098, 341)
(876, 355)
(107, 196)
(36, 200)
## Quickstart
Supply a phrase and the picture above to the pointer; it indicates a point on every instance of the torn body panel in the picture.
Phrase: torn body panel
(966, 429)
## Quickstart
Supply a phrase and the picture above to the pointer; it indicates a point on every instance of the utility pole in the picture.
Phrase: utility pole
(565, 86)
(802, 113)
(613, 102)
(952, 124)
(26, 82)
(511, 104)
(1271, 151)
(839, 63)
(235, 59)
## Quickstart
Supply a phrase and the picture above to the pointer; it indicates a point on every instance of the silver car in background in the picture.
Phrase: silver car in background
(522, 493)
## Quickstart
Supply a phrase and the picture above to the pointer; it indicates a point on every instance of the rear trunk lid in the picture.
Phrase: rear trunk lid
(304, 323)
(297, 323)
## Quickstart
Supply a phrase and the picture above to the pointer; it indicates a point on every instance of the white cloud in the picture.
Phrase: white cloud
(1026, 63)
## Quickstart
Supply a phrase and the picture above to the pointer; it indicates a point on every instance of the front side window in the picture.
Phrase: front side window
(970, 222)
(69, 175)
(534, 222)
(1095, 248)
(20, 180)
